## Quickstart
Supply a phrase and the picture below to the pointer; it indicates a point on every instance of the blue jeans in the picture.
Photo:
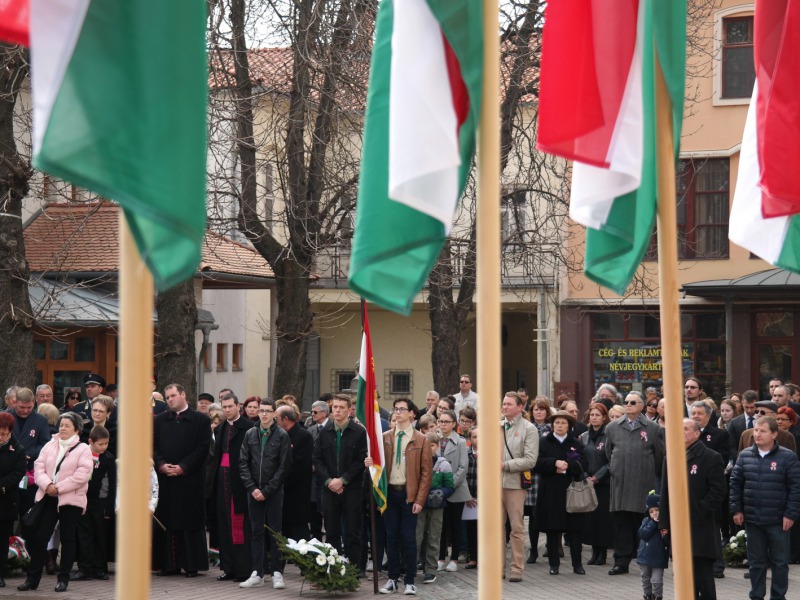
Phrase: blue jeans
(760, 539)
(401, 534)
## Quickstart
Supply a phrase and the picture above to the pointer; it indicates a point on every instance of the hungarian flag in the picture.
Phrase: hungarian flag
(119, 108)
(768, 186)
(597, 108)
(14, 18)
(419, 140)
(369, 415)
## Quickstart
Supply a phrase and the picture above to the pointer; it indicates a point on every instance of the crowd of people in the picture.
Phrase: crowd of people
(260, 466)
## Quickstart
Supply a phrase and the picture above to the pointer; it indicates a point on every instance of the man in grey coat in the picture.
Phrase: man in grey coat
(635, 451)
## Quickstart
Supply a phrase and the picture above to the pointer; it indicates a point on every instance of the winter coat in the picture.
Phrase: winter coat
(73, 476)
(456, 454)
(718, 440)
(551, 504)
(12, 467)
(652, 547)
(297, 488)
(766, 489)
(104, 467)
(349, 465)
(707, 488)
(442, 485)
(521, 443)
(635, 458)
(237, 433)
(33, 434)
(598, 529)
(265, 468)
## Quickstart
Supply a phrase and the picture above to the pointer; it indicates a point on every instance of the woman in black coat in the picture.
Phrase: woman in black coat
(598, 532)
(12, 467)
(562, 458)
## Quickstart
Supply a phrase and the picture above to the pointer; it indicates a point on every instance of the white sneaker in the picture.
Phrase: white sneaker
(440, 566)
(277, 581)
(253, 581)
(452, 566)
(388, 587)
(369, 566)
(411, 590)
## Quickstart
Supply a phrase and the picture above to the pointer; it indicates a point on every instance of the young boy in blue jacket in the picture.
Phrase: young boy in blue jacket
(652, 555)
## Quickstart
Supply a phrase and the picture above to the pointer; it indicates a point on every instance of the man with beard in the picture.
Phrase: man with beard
(230, 495)
(181, 438)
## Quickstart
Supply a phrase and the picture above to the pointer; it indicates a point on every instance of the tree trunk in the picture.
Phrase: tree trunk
(293, 326)
(17, 366)
(175, 351)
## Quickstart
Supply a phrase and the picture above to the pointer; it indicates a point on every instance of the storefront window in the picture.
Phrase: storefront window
(626, 350)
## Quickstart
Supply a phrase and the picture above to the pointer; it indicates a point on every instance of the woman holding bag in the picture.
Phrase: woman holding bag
(62, 474)
(562, 458)
(598, 532)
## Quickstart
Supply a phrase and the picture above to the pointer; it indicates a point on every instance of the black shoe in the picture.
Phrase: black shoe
(531, 559)
(2, 582)
(618, 570)
(554, 571)
(746, 576)
(593, 559)
(167, 572)
(226, 577)
(578, 571)
(101, 576)
(601, 557)
(191, 574)
(80, 575)
(27, 586)
(240, 579)
(61, 586)
(719, 575)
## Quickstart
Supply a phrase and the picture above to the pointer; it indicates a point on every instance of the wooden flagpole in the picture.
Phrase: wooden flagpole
(373, 546)
(671, 343)
(136, 422)
(491, 530)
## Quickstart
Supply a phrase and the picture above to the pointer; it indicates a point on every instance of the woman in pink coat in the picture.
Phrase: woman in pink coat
(62, 474)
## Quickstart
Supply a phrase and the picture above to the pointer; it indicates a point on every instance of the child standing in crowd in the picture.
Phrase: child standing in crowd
(430, 519)
(471, 504)
(652, 555)
(101, 496)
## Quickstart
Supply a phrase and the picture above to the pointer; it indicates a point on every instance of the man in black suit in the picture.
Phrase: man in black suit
(319, 418)
(339, 453)
(297, 487)
(229, 498)
(706, 490)
(740, 424)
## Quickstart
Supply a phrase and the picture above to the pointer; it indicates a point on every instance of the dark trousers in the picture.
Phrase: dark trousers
(767, 545)
(626, 536)
(401, 535)
(472, 539)
(451, 530)
(92, 538)
(6, 531)
(704, 586)
(38, 537)
(378, 545)
(269, 513)
(316, 521)
(553, 549)
(344, 507)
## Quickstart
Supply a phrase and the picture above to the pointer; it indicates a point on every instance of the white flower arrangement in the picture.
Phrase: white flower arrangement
(320, 563)
(735, 552)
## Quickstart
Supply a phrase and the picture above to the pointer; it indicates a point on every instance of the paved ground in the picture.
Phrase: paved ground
(462, 585)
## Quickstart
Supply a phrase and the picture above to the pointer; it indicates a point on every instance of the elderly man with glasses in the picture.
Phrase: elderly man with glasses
(635, 451)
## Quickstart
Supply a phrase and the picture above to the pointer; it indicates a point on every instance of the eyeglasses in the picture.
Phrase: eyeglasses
(265, 411)
(465, 381)
(314, 412)
(399, 409)
(444, 421)
(653, 405)
(631, 402)
(465, 420)
(691, 387)
(764, 413)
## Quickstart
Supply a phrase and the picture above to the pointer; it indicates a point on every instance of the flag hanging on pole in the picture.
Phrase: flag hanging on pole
(14, 18)
(419, 140)
(764, 216)
(597, 108)
(369, 415)
(119, 108)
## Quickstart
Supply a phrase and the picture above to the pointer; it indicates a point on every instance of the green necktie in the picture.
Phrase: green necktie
(338, 441)
(399, 453)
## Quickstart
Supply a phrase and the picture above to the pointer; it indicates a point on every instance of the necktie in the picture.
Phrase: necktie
(338, 441)
(442, 446)
(749, 422)
(319, 428)
(399, 451)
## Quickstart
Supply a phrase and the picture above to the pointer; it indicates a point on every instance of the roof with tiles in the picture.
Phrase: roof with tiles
(83, 238)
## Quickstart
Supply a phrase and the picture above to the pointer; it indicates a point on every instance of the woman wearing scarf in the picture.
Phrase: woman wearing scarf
(62, 474)
(598, 532)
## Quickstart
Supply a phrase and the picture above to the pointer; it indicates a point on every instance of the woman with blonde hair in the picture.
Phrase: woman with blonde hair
(49, 412)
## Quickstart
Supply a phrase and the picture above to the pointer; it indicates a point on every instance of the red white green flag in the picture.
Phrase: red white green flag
(597, 108)
(764, 217)
(419, 140)
(119, 108)
(368, 413)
